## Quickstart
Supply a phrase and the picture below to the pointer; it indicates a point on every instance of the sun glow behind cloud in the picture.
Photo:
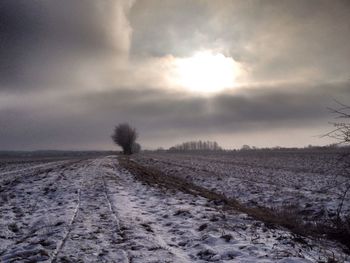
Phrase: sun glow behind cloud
(206, 72)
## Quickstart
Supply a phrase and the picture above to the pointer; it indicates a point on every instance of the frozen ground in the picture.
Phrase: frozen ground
(93, 210)
(311, 183)
(10, 166)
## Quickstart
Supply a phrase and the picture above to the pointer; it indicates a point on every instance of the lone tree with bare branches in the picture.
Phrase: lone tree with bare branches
(125, 136)
(341, 133)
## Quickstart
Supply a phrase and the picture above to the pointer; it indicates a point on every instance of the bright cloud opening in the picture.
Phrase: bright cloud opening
(206, 72)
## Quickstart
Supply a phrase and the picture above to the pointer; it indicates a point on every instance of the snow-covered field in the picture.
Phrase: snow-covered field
(311, 183)
(11, 166)
(93, 210)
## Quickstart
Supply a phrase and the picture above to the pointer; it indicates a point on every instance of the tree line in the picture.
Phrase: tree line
(197, 146)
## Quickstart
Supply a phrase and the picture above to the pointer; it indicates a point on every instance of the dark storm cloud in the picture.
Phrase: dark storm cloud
(156, 112)
(289, 105)
(41, 42)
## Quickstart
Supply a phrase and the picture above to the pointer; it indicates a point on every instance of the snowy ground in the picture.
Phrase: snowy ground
(10, 165)
(312, 183)
(95, 211)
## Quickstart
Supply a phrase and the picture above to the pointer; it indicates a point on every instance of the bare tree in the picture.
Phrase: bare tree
(125, 136)
(341, 133)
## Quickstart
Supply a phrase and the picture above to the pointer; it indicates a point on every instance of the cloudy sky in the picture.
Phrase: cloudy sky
(239, 72)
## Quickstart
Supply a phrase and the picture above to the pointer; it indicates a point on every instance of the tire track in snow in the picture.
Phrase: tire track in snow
(70, 224)
(94, 235)
(70, 227)
(114, 213)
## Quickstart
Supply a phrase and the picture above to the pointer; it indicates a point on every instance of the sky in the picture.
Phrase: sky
(262, 73)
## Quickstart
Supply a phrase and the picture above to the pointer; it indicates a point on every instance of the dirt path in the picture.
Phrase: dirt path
(93, 235)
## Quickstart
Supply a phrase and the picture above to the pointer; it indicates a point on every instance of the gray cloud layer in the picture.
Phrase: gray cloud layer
(45, 43)
(65, 77)
(85, 120)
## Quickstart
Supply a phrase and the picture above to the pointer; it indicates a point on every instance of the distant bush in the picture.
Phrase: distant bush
(246, 147)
